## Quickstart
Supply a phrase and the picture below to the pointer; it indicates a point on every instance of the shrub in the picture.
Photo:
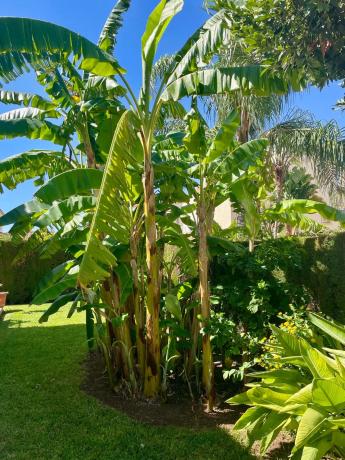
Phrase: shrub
(20, 277)
(307, 395)
(249, 290)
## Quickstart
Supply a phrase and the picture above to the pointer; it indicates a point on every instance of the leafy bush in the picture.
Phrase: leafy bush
(249, 290)
(323, 272)
(21, 277)
(307, 395)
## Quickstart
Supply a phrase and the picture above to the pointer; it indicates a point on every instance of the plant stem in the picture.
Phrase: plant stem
(152, 370)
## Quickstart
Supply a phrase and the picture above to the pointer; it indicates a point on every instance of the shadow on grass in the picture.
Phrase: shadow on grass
(45, 415)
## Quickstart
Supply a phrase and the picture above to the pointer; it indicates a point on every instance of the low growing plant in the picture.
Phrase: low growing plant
(306, 395)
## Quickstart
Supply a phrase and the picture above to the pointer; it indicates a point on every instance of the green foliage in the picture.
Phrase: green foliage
(323, 262)
(31, 42)
(249, 289)
(307, 35)
(299, 185)
(308, 398)
(20, 278)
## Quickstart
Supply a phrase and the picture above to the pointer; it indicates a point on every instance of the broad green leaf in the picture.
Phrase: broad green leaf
(156, 25)
(202, 45)
(270, 429)
(249, 417)
(56, 305)
(30, 165)
(319, 364)
(309, 207)
(280, 375)
(332, 328)
(29, 42)
(303, 396)
(26, 99)
(73, 182)
(54, 275)
(186, 253)
(224, 139)
(65, 210)
(328, 393)
(289, 342)
(312, 422)
(249, 79)
(318, 448)
(173, 306)
(107, 39)
(112, 215)
(22, 212)
(28, 112)
(32, 128)
(52, 292)
(241, 398)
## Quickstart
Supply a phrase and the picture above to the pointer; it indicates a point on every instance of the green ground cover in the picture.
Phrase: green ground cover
(45, 415)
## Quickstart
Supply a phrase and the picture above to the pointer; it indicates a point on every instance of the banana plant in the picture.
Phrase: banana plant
(187, 75)
(46, 48)
(85, 104)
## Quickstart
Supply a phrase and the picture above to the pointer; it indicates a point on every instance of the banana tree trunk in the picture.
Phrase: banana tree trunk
(152, 370)
(139, 316)
(207, 358)
(90, 155)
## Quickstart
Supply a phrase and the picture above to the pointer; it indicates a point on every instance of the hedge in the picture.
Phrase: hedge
(21, 278)
(324, 272)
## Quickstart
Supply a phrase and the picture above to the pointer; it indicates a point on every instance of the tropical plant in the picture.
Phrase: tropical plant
(108, 276)
(305, 395)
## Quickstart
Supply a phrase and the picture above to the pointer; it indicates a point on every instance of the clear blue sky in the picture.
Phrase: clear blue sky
(87, 17)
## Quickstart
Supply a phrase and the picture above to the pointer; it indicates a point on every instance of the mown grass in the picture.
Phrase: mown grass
(45, 415)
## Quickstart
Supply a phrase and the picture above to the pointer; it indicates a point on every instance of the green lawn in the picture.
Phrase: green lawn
(44, 414)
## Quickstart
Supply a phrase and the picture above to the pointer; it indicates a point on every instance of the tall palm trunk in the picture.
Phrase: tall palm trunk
(152, 370)
(207, 358)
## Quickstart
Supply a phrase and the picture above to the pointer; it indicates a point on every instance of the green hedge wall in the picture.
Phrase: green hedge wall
(20, 278)
(324, 272)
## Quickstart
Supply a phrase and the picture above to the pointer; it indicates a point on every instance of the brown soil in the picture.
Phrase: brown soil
(177, 411)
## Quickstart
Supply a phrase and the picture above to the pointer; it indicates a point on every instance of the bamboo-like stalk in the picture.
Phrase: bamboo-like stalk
(152, 370)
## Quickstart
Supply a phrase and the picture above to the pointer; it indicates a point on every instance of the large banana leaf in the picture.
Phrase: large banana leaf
(29, 112)
(65, 210)
(26, 99)
(249, 79)
(224, 139)
(30, 165)
(69, 183)
(107, 39)
(156, 25)
(22, 213)
(307, 207)
(202, 45)
(32, 128)
(28, 42)
(112, 216)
